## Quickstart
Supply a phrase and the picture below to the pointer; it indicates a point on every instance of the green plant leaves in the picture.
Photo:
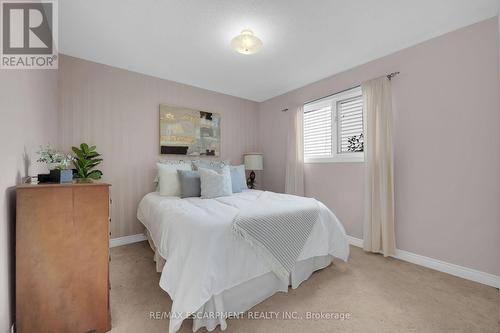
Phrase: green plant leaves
(85, 148)
(95, 174)
(78, 152)
(85, 160)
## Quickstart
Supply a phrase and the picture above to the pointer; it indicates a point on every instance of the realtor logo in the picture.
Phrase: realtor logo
(29, 34)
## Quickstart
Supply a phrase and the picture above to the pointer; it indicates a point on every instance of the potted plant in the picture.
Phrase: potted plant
(355, 143)
(58, 164)
(86, 158)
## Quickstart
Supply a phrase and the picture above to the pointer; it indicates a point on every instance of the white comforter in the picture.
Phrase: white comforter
(204, 258)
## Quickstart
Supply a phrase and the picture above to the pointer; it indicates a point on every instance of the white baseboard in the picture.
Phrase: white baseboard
(442, 266)
(355, 241)
(113, 242)
(438, 265)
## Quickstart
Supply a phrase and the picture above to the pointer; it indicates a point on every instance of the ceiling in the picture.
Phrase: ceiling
(188, 40)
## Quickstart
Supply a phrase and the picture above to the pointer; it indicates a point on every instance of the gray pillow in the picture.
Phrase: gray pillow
(238, 178)
(215, 184)
(190, 183)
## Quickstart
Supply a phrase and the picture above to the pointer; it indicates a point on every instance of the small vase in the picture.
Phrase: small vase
(61, 176)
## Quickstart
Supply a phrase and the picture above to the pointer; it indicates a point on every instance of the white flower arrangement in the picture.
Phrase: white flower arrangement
(53, 158)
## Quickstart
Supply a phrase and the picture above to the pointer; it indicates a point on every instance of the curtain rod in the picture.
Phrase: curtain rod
(388, 76)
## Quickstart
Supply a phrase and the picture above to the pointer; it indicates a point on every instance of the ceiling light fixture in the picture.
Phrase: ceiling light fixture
(246, 42)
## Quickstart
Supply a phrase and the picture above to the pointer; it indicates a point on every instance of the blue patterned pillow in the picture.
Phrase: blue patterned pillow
(215, 184)
(216, 165)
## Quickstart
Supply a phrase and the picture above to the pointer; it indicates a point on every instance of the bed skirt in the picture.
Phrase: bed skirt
(246, 295)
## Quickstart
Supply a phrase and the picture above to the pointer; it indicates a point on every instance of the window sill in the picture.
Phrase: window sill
(351, 158)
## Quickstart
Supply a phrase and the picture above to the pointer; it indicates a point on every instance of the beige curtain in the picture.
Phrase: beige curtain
(294, 182)
(378, 231)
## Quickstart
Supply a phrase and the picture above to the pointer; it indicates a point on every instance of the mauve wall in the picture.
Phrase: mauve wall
(118, 111)
(28, 113)
(446, 131)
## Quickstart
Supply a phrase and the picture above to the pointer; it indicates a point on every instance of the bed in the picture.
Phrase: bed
(209, 273)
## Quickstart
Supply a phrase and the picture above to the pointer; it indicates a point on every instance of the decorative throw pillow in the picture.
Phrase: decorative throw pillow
(169, 179)
(216, 165)
(215, 184)
(190, 183)
(238, 178)
(174, 163)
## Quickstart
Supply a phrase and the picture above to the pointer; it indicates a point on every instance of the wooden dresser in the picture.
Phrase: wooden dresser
(62, 258)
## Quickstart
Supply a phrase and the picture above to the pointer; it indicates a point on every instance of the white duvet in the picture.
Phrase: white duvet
(204, 258)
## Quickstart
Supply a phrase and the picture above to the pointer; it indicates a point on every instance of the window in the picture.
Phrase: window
(333, 128)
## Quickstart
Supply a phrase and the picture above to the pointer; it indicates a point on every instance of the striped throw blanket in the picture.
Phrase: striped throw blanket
(277, 227)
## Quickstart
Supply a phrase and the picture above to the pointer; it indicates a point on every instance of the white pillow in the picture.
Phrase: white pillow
(214, 184)
(175, 163)
(169, 179)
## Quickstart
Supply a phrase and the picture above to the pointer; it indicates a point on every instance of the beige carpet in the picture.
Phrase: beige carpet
(381, 295)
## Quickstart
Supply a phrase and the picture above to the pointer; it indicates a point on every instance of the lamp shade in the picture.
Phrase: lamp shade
(254, 161)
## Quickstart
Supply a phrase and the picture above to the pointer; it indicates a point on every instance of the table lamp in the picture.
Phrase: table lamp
(253, 162)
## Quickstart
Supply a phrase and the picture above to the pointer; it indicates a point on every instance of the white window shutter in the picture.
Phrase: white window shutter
(333, 128)
(318, 132)
(350, 122)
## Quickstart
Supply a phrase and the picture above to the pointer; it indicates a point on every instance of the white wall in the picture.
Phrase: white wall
(28, 118)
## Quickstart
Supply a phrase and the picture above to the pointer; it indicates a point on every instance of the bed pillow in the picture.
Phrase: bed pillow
(190, 183)
(215, 184)
(182, 163)
(216, 165)
(238, 178)
(169, 179)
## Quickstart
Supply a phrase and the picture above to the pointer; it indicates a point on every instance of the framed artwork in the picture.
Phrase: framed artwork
(185, 131)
